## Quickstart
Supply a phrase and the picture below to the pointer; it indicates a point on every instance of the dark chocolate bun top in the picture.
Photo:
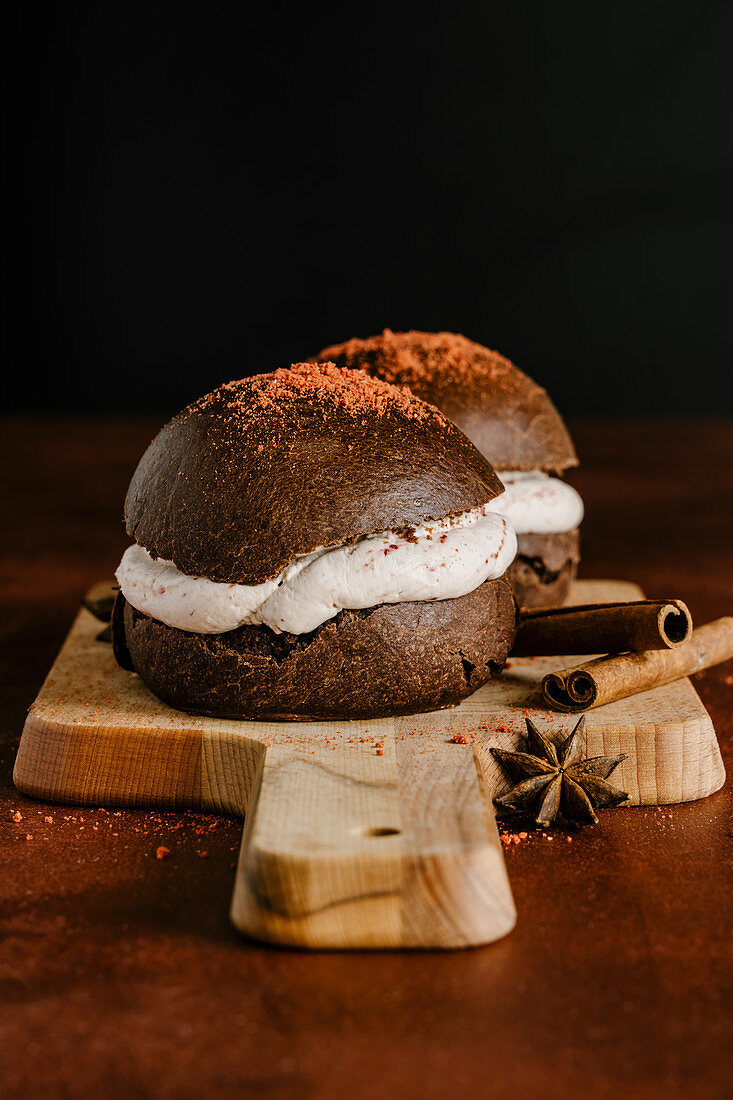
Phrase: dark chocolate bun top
(508, 416)
(266, 468)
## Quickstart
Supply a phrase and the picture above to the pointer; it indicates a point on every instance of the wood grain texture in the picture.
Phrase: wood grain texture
(358, 834)
(352, 849)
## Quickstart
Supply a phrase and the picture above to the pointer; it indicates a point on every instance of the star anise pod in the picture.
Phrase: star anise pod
(552, 779)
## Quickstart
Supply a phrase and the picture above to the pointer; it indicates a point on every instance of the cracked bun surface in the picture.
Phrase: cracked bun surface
(544, 568)
(391, 659)
(248, 480)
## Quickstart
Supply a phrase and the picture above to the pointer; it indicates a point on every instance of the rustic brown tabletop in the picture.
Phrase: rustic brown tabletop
(122, 977)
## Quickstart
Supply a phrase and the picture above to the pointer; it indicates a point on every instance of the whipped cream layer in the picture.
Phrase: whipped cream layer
(536, 504)
(439, 560)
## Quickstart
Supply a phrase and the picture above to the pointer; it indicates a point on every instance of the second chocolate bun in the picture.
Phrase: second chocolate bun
(507, 416)
(504, 413)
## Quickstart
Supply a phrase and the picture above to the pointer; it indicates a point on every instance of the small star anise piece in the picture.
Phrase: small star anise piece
(101, 608)
(551, 780)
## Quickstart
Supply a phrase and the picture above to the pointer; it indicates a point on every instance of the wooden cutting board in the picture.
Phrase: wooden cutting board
(357, 834)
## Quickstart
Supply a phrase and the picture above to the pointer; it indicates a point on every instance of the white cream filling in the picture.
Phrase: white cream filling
(439, 561)
(537, 504)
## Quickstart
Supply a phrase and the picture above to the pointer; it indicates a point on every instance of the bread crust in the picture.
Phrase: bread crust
(271, 467)
(503, 412)
(387, 660)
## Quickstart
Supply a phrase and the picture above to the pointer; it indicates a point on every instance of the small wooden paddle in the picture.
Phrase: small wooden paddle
(357, 834)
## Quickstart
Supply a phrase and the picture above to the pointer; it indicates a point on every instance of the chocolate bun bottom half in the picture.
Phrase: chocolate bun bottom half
(392, 659)
(247, 487)
(508, 417)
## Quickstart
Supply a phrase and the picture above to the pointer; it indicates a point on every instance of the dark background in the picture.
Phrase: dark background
(190, 199)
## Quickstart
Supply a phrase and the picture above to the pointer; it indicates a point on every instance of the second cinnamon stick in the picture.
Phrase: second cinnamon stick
(609, 678)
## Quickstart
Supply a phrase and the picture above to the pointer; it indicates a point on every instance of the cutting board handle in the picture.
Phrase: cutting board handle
(388, 847)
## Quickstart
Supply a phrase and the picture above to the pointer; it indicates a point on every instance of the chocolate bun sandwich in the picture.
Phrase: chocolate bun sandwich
(514, 424)
(314, 543)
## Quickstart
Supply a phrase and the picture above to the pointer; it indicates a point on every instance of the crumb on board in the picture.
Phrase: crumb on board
(508, 839)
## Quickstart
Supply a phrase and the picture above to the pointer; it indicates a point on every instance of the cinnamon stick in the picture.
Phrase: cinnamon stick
(609, 678)
(603, 628)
